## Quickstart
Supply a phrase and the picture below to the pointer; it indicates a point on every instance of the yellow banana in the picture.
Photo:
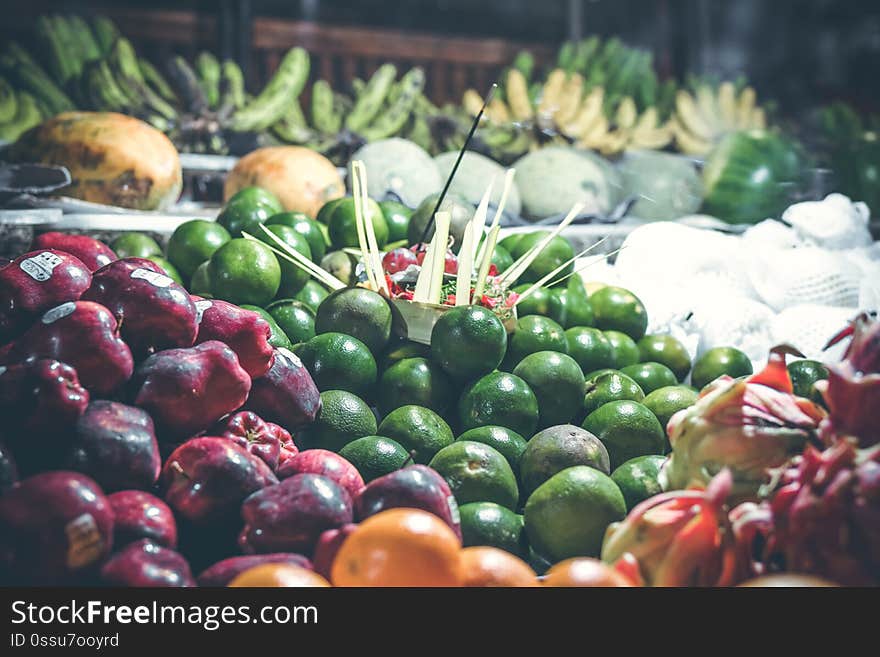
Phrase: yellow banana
(745, 107)
(550, 95)
(626, 115)
(517, 92)
(589, 112)
(759, 118)
(727, 105)
(647, 121)
(472, 101)
(652, 140)
(570, 99)
(689, 117)
(708, 107)
(687, 142)
(593, 137)
(614, 142)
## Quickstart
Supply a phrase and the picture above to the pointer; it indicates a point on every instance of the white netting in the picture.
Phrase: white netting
(734, 321)
(833, 223)
(809, 327)
(772, 233)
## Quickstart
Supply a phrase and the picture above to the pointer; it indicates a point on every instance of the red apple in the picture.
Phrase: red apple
(243, 331)
(326, 463)
(93, 253)
(84, 335)
(327, 547)
(138, 514)
(188, 390)
(146, 564)
(55, 528)
(35, 282)
(247, 429)
(450, 264)
(286, 394)
(398, 260)
(223, 572)
(153, 311)
(41, 396)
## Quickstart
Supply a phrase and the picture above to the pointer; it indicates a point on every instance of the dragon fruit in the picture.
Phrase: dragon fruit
(679, 538)
(747, 425)
(821, 516)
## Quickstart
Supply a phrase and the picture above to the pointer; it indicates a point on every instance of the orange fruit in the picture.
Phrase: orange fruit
(583, 571)
(278, 575)
(399, 547)
(488, 566)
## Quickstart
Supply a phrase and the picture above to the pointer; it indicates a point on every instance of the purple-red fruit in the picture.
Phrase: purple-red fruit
(286, 394)
(84, 335)
(137, 515)
(416, 487)
(243, 331)
(290, 516)
(93, 253)
(115, 445)
(35, 282)
(153, 311)
(188, 390)
(223, 572)
(55, 527)
(146, 564)
(41, 396)
(247, 429)
(327, 547)
(206, 479)
(326, 463)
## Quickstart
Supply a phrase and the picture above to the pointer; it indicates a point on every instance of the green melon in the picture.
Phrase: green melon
(474, 174)
(399, 166)
(667, 186)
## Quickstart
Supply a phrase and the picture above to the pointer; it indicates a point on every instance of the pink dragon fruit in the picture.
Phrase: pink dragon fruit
(679, 538)
(749, 426)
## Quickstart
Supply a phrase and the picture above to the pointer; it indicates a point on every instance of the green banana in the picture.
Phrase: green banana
(565, 57)
(106, 33)
(395, 117)
(8, 103)
(358, 86)
(60, 64)
(27, 115)
(71, 46)
(30, 76)
(323, 117)
(284, 87)
(420, 132)
(370, 100)
(525, 63)
(231, 86)
(156, 81)
(185, 80)
(584, 54)
(83, 33)
(127, 73)
(103, 90)
(208, 70)
(293, 128)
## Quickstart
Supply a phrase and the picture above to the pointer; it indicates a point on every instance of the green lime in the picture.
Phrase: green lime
(293, 277)
(416, 381)
(510, 242)
(499, 399)
(308, 228)
(626, 351)
(295, 318)
(375, 456)
(200, 283)
(537, 303)
(240, 216)
(460, 210)
(343, 417)
(557, 252)
(669, 400)
(608, 387)
(169, 269)
(326, 211)
(468, 341)
(193, 243)
(341, 265)
(533, 333)
(343, 224)
(359, 312)
(277, 337)
(804, 374)
(338, 361)
(650, 376)
(619, 310)
(257, 196)
(420, 430)
(501, 258)
(595, 374)
(628, 429)
(666, 350)
(558, 305)
(589, 347)
(492, 525)
(556, 448)
(508, 442)
(578, 310)
(397, 217)
(312, 294)
(567, 515)
(477, 472)
(638, 479)
(558, 384)
(397, 350)
(718, 362)
(243, 271)
(135, 245)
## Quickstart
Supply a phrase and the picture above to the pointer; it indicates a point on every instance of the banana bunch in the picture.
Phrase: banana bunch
(702, 118)
(627, 129)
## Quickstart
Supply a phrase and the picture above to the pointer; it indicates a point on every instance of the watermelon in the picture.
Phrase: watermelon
(666, 186)
(474, 174)
(551, 180)
(751, 176)
(399, 166)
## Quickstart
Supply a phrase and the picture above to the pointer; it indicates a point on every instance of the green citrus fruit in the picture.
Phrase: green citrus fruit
(295, 318)
(608, 387)
(240, 216)
(397, 216)
(338, 361)
(638, 479)
(326, 211)
(492, 525)
(476, 472)
(556, 448)
(169, 269)
(277, 337)
(667, 401)
(359, 312)
(650, 376)
(666, 350)
(135, 245)
(193, 243)
(558, 384)
(200, 284)
(420, 430)
(501, 258)
(257, 196)
(343, 417)
(416, 381)
(619, 310)
(343, 224)
(397, 350)
(804, 374)
(551, 256)
(312, 294)
(468, 341)
(308, 228)
(627, 429)
(375, 456)
(533, 333)
(537, 303)
(590, 348)
(510, 241)
(499, 399)
(508, 442)
(717, 362)
(293, 277)
(243, 271)
(625, 349)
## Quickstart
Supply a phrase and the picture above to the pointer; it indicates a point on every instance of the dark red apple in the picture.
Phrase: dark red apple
(248, 430)
(223, 572)
(93, 253)
(35, 282)
(326, 463)
(290, 516)
(115, 445)
(8, 469)
(84, 335)
(286, 394)
(147, 564)
(288, 447)
(137, 515)
(450, 263)
(41, 396)
(153, 311)
(327, 547)
(243, 331)
(416, 487)
(398, 260)
(55, 528)
(206, 479)
(187, 390)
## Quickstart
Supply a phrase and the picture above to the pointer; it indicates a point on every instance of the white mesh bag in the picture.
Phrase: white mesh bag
(734, 322)
(772, 233)
(833, 223)
(809, 327)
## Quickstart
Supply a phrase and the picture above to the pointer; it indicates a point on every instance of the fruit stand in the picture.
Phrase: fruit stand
(535, 315)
